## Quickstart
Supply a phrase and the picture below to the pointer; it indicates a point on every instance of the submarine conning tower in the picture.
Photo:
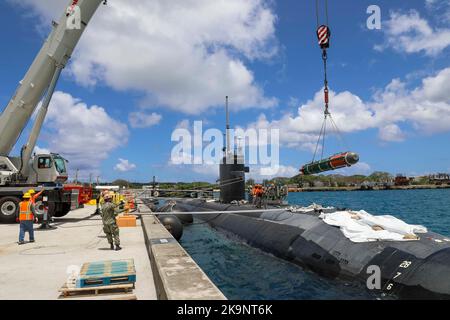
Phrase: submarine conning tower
(232, 169)
(232, 179)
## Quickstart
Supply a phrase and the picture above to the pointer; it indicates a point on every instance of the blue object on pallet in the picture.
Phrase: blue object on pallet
(106, 273)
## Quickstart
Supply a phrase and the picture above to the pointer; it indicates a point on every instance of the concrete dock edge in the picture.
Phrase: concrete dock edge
(176, 275)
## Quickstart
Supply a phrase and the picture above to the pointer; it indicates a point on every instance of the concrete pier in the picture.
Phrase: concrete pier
(176, 275)
(38, 270)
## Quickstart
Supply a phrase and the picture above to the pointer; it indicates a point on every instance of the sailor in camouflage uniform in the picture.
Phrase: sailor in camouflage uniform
(110, 227)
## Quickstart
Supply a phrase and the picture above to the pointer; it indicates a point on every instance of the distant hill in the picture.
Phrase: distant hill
(338, 180)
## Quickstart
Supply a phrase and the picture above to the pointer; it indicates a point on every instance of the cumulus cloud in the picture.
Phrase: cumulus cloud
(410, 33)
(350, 114)
(124, 165)
(83, 134)
(182, 55)
(144, 120)
(425, 108)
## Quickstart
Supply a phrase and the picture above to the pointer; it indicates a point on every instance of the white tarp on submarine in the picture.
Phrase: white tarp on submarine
(360, 226)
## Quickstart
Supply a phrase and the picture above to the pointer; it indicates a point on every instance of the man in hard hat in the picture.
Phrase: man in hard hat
(110, 227)
(27, 215)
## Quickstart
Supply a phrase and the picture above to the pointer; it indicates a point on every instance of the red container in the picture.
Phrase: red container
(84, 193)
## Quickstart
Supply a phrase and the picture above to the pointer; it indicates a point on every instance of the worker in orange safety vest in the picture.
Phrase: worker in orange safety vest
(27, 216)
(258, 193)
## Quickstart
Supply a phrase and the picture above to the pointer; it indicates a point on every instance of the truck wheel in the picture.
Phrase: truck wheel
(40, 210)
(9, 207)
(64, 210)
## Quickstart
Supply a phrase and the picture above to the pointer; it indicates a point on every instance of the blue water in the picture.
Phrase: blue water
(242, 272)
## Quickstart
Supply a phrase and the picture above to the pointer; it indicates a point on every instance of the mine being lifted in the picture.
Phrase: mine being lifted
(18, 174)
(342, 159)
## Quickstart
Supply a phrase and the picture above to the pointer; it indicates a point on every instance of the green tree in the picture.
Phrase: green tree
(380, 176)
(121, 183)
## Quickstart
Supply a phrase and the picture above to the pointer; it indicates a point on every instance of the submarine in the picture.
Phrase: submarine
(416, 269)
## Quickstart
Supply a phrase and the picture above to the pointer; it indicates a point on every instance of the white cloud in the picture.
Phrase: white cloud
(183, 55)
(359, 168)
(144, 120)
(439, 9)
(83, 134)
(45, 11)
(259, 173)
(430, 3)
(391, 132)
(179, 162)
(437, 89)
(209, 170)
(411, 33)
(302, 129)
(38, 150)
(124, 165)
(182, 158)
(425, 108)
(183, 124)
(293, 102)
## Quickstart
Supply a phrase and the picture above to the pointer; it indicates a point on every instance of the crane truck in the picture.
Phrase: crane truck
(30, 170)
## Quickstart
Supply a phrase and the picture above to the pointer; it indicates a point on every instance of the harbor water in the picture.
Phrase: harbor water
(242, 272)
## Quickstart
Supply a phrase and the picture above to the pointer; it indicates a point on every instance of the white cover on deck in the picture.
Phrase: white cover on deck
(358, 226)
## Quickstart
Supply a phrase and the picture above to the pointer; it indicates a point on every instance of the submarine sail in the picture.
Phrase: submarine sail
(232, 169)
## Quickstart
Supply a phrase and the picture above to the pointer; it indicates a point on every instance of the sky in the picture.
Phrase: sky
(145, 68)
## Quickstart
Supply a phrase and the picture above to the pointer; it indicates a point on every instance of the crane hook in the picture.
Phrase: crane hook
(324, 35)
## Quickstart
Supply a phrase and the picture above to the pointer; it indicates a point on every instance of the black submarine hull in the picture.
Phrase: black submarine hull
(409, 269)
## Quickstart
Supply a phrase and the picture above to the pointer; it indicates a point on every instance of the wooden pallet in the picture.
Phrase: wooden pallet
(107, 273)
(113, 292)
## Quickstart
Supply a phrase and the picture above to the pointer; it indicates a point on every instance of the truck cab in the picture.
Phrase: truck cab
(45, 171)
(48, 169)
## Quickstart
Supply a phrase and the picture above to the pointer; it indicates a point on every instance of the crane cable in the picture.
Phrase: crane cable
(317, 12)
(324, 35)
